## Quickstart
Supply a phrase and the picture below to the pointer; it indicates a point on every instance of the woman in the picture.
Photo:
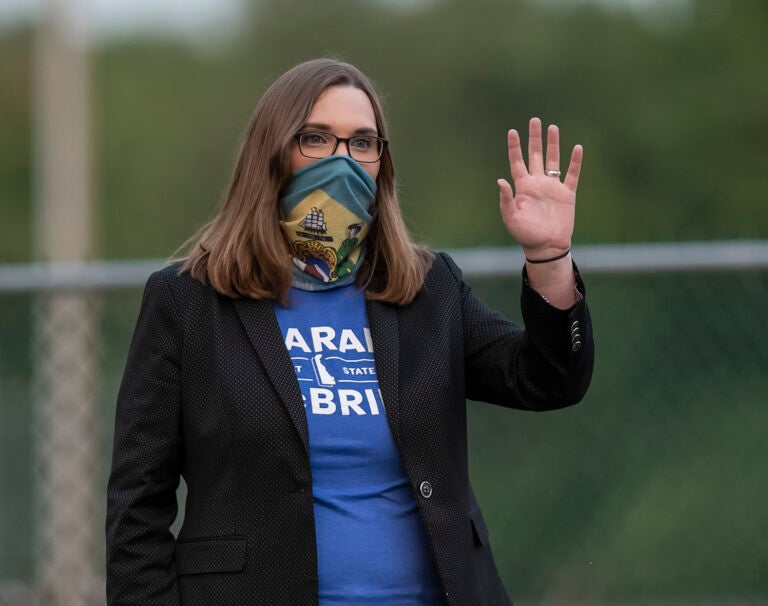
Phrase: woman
(306, 367)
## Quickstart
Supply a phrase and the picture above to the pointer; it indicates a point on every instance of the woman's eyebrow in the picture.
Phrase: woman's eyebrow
(316, 125)
(365, 130)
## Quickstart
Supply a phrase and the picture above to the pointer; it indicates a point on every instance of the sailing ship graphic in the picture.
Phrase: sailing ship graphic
(314, 221)
(314, 224)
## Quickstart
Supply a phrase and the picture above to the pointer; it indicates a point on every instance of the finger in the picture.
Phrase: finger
(516, 162)
(535, 147)
(572, 178)
(553, 148)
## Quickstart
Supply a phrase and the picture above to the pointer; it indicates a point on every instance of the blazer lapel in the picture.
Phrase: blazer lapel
(382, 319)
(258, 318)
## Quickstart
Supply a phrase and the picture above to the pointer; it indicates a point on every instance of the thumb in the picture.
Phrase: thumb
(506, 195)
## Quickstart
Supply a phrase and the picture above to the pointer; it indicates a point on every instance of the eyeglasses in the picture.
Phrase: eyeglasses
(362, 148)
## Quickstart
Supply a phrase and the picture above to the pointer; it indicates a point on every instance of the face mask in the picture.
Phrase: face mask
(325, 212)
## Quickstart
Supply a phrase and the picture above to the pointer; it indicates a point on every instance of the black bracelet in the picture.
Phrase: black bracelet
(548, 260)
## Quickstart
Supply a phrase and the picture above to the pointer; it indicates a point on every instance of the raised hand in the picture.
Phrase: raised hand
(540, 212)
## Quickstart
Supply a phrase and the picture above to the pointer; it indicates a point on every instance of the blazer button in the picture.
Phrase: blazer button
(425, 489)
(576, 346)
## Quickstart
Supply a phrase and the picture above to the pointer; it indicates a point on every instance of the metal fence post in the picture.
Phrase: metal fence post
(66, 443)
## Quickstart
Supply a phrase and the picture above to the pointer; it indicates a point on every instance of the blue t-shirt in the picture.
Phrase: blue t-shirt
(371, 544)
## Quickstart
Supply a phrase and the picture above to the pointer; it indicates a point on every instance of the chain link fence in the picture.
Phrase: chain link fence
(652, 491)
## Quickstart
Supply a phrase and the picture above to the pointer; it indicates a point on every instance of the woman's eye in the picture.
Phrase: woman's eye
(314, 139)
(362, 143)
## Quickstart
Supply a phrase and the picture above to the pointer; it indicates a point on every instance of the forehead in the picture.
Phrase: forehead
(342, 107)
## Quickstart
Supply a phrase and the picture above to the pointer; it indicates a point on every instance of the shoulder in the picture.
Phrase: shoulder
(179, 285)
(443, 271)
(442, 284)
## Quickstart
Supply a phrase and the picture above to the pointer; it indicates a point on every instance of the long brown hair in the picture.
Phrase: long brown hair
(242, 251)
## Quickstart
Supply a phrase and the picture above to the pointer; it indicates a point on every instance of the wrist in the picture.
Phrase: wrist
(556, 257)
(546, 253)
(551, 272)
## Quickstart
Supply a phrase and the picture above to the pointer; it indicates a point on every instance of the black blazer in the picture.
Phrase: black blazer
(209, 392)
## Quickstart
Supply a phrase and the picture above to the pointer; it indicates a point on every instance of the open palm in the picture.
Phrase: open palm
(540, 212)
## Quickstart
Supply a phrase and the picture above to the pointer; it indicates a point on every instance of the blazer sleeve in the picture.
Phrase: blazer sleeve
(545, 365)
(146, 459)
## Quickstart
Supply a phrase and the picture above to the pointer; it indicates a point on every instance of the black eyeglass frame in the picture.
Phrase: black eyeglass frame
(384, 142)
